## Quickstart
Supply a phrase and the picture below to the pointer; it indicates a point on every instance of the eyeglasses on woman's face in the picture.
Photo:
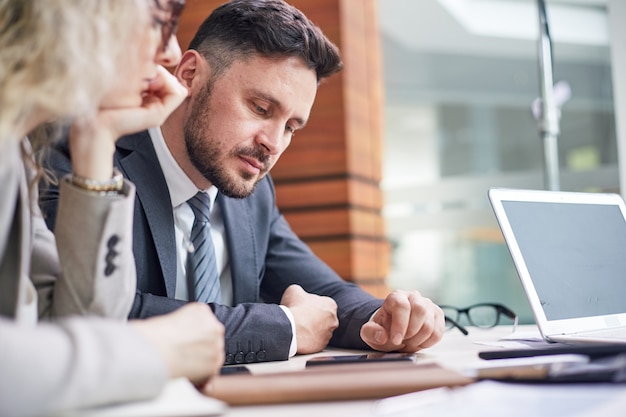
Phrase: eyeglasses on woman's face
(169, 26)
(483, 315)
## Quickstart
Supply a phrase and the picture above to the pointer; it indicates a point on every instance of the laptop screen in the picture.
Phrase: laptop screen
(575, 254)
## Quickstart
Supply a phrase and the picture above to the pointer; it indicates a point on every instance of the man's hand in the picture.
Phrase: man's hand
(315, 318)
(406, 322)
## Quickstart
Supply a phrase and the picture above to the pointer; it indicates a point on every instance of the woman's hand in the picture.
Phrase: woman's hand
(190, 339)
(162, 98)
(92, 142)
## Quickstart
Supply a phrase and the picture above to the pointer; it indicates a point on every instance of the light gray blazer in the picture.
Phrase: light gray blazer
(74, 362)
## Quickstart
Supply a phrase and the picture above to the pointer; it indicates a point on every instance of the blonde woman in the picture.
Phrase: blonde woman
(98, 64)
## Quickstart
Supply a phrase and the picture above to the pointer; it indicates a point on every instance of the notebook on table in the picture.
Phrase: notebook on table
(569, 250)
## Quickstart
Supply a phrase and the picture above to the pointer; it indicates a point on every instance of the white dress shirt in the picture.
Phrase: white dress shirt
(181, 189)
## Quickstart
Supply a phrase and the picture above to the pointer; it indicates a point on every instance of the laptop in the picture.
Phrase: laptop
(569, 249)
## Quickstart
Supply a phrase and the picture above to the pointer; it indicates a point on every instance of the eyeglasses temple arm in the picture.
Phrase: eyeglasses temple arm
(457, 325)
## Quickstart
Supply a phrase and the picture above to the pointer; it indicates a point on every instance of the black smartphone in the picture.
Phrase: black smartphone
(234, 369)
(366, 357)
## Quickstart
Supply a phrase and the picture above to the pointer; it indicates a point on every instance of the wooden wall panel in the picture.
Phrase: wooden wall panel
(329, 192)
(328, 181)
(336, 223)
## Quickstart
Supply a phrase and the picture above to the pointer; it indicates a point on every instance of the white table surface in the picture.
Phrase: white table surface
(455, 351)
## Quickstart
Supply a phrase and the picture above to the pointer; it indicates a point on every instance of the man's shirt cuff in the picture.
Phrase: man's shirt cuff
(293, 347)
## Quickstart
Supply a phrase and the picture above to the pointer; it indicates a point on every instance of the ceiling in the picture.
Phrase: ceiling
(503, 28)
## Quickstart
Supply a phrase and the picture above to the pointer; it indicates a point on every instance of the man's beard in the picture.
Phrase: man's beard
(207, 155)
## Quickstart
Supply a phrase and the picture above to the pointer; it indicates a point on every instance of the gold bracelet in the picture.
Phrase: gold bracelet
(114, 184)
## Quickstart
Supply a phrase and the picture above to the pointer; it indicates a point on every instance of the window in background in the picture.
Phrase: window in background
(460, 77)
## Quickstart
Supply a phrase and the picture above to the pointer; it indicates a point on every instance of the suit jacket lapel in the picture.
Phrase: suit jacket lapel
(241, 241)
(141, 166)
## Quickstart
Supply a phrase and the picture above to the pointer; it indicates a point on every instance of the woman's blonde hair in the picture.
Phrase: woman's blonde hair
(59, 56)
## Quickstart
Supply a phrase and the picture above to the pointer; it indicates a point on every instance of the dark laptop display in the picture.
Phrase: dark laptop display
(575, 254)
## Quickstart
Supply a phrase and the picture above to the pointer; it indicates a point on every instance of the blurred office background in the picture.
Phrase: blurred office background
(459, 80)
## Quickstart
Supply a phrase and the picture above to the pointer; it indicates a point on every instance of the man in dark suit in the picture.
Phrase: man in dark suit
(252, 72)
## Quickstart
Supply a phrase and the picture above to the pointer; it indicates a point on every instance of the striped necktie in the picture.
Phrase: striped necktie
(202, 277)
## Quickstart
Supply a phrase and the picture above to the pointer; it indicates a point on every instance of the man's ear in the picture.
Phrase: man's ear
(192, 67)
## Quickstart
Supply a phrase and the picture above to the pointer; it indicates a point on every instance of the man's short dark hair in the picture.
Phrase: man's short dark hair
(240, 29)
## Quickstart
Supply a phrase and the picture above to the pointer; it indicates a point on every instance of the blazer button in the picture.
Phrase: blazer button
(113, 241)
(109, 269)
(250, 357)
(239, 357)
(261, 355)
(229, 359)
(111, 254)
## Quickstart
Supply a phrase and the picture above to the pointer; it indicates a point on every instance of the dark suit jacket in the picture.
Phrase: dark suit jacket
(265, 258)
